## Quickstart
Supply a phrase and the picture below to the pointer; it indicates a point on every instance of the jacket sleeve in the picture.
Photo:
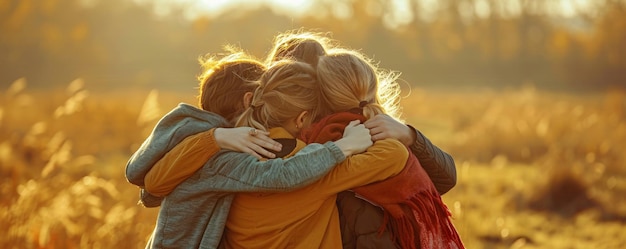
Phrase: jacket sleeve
(181, 122)
(230, 171)
(180, 163)
(438, 164)
(384, 159)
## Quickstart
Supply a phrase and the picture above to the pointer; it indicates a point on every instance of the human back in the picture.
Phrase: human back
(413, 211)
(307, 217)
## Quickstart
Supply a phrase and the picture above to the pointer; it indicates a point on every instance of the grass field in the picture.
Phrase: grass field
(535, 169)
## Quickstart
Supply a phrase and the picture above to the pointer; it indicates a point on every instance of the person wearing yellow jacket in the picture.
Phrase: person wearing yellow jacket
(285, 103)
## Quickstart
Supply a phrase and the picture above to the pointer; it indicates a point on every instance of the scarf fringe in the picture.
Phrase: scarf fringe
(435, 228)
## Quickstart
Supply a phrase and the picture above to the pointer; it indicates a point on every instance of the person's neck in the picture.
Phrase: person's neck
(291, 128)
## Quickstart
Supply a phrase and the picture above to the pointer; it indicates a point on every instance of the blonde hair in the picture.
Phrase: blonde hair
(299, 45)
(286, 89)
(224, 82)
(349, 80)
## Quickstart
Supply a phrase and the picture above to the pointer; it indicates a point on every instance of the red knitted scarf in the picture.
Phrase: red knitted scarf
(413, 208)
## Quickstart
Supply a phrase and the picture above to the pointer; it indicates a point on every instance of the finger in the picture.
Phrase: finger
(269, 155)
(262, 151)
(379, 136)
(374, 138)
(264, 139)
(373, 123)
(376, 130)
(272, 145)
(262, 132)
(269, 145)
(267, 142)
(377, 117)
(252, 153)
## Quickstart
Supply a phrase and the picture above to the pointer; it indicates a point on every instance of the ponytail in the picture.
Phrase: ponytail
(286, 89)
(348, 80)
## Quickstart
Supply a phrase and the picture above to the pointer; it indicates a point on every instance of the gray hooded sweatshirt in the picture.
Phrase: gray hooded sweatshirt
(194, 214)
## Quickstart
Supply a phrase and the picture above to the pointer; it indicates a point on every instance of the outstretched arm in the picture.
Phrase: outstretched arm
(239, 172)
(197, 151)
(438, 164)
(179, 124)
(191, 154)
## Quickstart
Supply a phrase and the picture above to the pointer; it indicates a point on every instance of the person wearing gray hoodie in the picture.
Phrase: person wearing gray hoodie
(213, 187)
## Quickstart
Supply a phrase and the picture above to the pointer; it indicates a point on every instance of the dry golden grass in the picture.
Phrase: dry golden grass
(62, 158)
(535, 169)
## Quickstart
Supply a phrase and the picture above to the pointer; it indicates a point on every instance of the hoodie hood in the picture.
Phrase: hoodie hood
(179, 123)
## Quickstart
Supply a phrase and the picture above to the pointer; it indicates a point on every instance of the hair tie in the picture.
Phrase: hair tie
(254, 106)
(363, 104)
(256, 97)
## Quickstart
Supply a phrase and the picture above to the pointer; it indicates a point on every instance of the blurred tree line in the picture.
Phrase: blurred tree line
(454, 43)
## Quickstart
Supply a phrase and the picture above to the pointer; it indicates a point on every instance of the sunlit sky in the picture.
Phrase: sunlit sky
(194, 8)
(399, 12)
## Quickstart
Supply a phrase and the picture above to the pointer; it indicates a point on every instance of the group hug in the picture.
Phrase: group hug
(301, 149)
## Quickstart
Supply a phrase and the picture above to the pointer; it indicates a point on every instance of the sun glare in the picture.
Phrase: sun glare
(212, 8)
(398, 13)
